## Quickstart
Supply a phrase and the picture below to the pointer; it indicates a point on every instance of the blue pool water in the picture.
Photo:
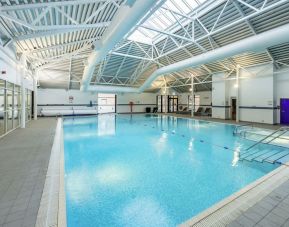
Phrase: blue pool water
(146, 170)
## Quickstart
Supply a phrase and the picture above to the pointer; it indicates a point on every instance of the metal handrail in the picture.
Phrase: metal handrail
(240, 126)
(285, 129)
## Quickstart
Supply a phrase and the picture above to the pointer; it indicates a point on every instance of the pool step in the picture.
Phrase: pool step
(274, 155)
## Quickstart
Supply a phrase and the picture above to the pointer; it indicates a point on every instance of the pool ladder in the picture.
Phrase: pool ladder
(269, 153)
(240, 130)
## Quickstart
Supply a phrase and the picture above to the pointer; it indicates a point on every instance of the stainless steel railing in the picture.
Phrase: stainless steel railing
(282, 129)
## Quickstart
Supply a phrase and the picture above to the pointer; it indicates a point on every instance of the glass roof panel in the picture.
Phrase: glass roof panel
(163, 19)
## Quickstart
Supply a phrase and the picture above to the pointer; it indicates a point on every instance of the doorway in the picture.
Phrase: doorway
(233, 109)
(162, 103)
(106, 103)
(284, 111)
(173, 103)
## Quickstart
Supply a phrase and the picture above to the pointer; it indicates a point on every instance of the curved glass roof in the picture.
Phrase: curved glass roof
(163, 19)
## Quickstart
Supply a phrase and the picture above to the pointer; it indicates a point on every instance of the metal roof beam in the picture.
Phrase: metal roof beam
(53, 27)
(42, 34)
(47, 4)
(249, 23)
(227, 26)
(60, 46)
(130, 56)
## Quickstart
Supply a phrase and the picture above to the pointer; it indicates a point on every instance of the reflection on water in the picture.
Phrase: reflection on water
(143, 212)
(83, 182)
(106, 124)
(236, 156)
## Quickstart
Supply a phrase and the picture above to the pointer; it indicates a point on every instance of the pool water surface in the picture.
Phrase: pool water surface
(150, 170)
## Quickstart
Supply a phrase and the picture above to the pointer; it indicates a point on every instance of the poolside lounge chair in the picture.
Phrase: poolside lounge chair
(199, 111)
(207, 112)
(155, 110)
(184, 111)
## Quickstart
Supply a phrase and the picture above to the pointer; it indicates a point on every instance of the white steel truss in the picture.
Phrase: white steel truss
(54, 34)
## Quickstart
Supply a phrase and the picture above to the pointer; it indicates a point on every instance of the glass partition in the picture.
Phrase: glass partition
(2, 107)
(10, 106)
(17, 106)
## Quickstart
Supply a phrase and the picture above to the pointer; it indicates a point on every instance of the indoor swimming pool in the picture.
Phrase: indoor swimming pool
(150, 170)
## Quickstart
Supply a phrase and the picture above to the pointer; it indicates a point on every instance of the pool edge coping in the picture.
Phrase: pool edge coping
(242, 195)
(52, 209)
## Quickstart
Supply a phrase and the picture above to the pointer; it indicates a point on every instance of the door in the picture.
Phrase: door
(284, 111)
(233, 108)
(160, 103)
(106, 103)
(173, 103)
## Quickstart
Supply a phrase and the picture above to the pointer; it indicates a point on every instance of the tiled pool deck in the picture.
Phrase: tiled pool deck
(24, 158)
(271, 211)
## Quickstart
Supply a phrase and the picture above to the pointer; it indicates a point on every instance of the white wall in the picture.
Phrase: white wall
(260, 90)
(141, 101)
(220, 102)
(106, 103)
(58, 97)
(61, 97)
(10, 65)
(257, 94)
(281, 78)
(205, 98)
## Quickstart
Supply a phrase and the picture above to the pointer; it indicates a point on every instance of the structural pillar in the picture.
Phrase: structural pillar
(193, 96)
(237, 94)
(35, 78)
(23, 92)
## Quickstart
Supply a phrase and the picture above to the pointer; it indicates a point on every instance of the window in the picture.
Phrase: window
(196, 102)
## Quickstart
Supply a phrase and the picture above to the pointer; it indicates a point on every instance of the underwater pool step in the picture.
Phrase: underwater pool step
(255, 155)
(268, 154)
(276, 157)
(247, 154)
(283, 160)
(280, 156)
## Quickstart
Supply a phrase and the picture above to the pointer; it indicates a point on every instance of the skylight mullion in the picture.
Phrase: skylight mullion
(178, 7)
(187, 4)
(165, 14)
(155, 24)
(157, 20)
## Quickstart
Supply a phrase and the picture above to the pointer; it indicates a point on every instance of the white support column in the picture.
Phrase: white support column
(193, 96)
(237, 94)
(35, 78)
(23, 92)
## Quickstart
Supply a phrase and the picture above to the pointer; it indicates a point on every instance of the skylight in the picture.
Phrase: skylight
(166, 16)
